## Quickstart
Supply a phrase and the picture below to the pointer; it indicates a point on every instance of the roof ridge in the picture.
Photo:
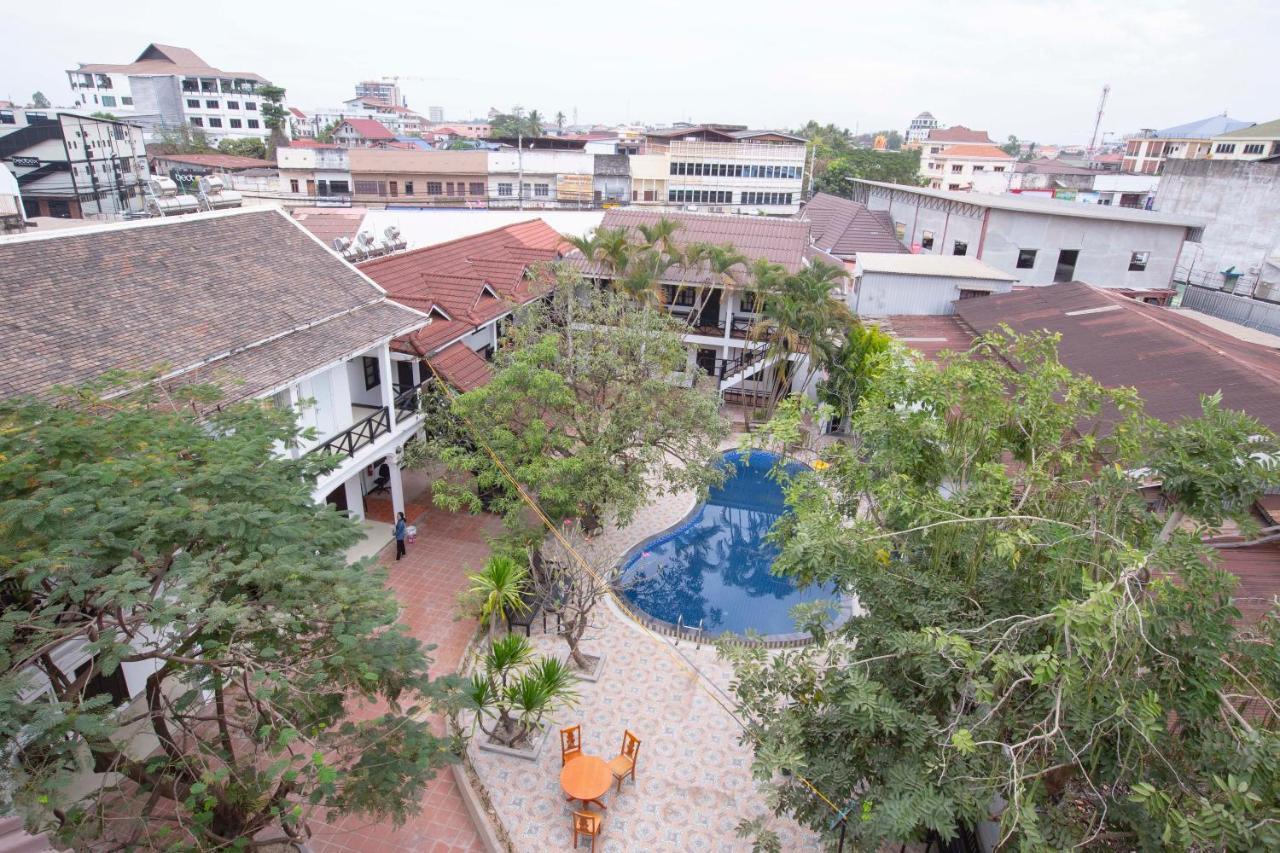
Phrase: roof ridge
(465, 237)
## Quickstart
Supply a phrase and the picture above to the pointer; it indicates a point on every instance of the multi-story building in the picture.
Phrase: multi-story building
(537, 179)
(315, 172)
(731, 169)
(74, 166)
(1146, 152)
(1040, 241)
(967, 166)
(435, 114)
(435, 178)
(382, 91)
(939, 138)
(362, 133)
(918, 130)
(167, 87)
(1248, 143)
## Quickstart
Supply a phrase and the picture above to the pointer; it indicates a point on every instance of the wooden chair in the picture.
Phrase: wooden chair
(587, 823)
(570, 744)
(625, 764)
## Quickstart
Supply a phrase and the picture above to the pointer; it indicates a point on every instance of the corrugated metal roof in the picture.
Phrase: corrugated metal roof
(1203, 129)
(1266, 130)
(946, 266)
(1050, 207)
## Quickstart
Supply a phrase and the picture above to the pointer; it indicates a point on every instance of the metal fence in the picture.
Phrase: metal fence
(1245, 310)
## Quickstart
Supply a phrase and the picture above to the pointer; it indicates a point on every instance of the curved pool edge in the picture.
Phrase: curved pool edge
(846, 609)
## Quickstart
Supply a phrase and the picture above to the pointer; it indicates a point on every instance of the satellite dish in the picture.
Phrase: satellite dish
(341, 244)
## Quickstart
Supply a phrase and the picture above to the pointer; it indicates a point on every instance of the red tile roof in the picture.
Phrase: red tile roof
(215, 161)
(461, 367)
(843, 227)
(472, 279)
(780, 241)
(959, 133)
(369, 128)
(968, 150)
(167, 59)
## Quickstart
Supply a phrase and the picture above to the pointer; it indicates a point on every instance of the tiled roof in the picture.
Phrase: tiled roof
(167, 59)
(369, 128)
(959, 133)
(780, 241)
(329, 223)
(1169, 358)
(844, 228)
(461, 367)
(215, 161)
(210, 292)
(472, 279)
(970, 150)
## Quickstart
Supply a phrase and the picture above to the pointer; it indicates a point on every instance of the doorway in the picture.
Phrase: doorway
(311, 187)
(706, 359)
(1066, 270)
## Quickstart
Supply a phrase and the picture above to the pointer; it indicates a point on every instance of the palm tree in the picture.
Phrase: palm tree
(500, 586)
(533, 124)
(560, 122)
(798, 315)
(516, 691)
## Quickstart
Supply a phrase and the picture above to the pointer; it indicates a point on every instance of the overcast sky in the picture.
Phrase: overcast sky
(1034, 68)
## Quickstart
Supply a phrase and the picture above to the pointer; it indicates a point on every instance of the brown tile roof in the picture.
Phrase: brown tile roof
(460, 367)
(329, 223)
(1170, 359)
(929, 335)
(214, 161)
(369, 128)
(780, 241)
(180, 295)
(967, 150)
(167, 59)
(473, 279)
(959, 133)
(1257, 568)
(844, 228)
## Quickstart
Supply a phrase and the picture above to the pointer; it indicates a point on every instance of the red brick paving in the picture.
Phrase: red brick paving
(427, 582)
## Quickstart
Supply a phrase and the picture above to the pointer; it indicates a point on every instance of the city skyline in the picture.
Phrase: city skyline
(1034, 70)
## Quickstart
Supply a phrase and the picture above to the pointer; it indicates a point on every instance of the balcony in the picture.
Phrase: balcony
(358, 436)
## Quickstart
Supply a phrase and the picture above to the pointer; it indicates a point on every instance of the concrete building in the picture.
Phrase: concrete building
(941, 137)
(967, 166)
(315, 173)
(1146, 152)
(380, 90)
(918, 129)
(169, 87)
(362, 133)
(611, 182)
(1039, 241)
(731, 169)
(1239, 201)
(435, 114)
(1248, 143)
(540, 179)
(73, 166)
(438, 178)
(885, 284)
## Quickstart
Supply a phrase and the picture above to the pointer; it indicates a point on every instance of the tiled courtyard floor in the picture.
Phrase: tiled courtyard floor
(427, 582)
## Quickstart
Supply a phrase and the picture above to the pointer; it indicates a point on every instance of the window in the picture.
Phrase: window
(339, 187)
(233, 105)
(524, 191)
(193, 103)
(957, 168)
(972, 294)
(250, 105)
(235, 122)
(110, 101)
(372, 379)
(1252, 148)
(448, 188)
(1027, 259)
(997, 168)
(504, 189)
(979, 168)
(253, 122)
(369, 187)
(1138, 261)
(674, 166)
(477, 189)
(215, 122)
(213, 105)
(434, 188)
(959, 247)
(408, 187)
(126, 101)
(198, 122)
(6, 117)
(293, 185)
(926, 240)
(747, 304)
(541, 190)
(395, 188)
(953, 186)
(1225, 148)
(899, 229)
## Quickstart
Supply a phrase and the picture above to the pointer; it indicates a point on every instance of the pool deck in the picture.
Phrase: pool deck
(693, 780)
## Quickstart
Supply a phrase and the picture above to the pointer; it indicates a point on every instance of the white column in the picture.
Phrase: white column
(397, 486)
(388, 380)
(355, 497)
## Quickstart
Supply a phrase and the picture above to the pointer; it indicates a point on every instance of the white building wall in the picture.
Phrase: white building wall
(880, 294)
(739, 154)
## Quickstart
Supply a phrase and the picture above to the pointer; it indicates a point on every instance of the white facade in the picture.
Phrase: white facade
(918, 130)
(559, 178)
(223, 107)
(314, 172)
(980, 168)
(889, 284)
(401, 122)
(735, 177)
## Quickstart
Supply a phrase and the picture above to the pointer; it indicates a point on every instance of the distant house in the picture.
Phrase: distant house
(1147, 152)
(1248, 143)
(362, 133)
(980, 167)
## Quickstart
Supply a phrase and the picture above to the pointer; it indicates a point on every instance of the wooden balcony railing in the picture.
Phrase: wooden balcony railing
(358, 436)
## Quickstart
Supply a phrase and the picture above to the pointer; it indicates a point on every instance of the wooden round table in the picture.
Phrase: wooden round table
(586, 778)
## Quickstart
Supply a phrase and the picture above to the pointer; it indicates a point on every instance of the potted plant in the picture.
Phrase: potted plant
(513, 692)
(499, 587)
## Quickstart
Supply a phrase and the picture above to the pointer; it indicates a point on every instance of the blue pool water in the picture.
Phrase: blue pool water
(714, 567)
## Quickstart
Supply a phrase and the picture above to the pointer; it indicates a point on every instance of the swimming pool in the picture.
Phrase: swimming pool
(714, 568)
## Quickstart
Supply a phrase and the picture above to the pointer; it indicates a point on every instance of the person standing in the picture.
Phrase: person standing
(402, 530)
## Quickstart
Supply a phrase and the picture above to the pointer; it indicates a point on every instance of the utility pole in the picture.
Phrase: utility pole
(520, 168)
(1097, 122)
(813, 161)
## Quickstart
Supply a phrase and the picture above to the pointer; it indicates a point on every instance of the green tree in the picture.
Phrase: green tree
(895, 167)
(513, 692)
(852, 368)
(581, 411)
(326, 133)
(1035, 643)
(533, 124)
(249, 146)
(191, 549)
(1013, 147)
(104, 115)
(40, 101)
(274, 114)
(560, 121)
(183, 139)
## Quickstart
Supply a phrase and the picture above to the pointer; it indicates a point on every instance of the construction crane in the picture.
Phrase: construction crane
(1097, 121)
